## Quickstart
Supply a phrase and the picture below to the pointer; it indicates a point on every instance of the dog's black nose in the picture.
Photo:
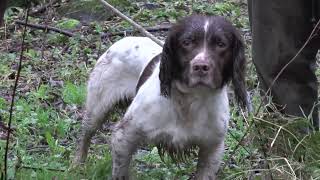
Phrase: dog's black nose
(201, 68)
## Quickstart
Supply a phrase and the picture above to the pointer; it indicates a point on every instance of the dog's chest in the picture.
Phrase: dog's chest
(186, 120)
(199, 120)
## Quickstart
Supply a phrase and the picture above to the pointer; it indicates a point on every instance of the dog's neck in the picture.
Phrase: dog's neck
(183, 95)
(182, 89)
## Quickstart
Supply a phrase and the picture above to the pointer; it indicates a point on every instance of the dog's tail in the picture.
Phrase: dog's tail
(117, 72)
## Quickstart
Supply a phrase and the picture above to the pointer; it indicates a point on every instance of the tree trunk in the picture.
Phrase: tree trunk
(3, 5)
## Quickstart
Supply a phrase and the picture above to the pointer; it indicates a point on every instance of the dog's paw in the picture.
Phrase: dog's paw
(76, 164)
(120, 177)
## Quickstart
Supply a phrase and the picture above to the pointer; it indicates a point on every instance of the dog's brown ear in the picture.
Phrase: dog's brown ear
(166, 68)
(239, 70)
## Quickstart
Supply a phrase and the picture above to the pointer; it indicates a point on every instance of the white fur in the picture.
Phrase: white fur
(205, 27)
(196, 116)
(117, 72)
(114, 78)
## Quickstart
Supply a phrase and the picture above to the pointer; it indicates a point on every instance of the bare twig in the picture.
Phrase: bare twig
(239, 143)
(45, 27)
(282, 128)
(14, 94)
(275, 138)
(149, 29)
(151, 166)
(234, 137)
(136, 25)
(299, 143)
(41, 168)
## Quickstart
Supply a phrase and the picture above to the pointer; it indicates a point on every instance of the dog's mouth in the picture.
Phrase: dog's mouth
(196, 84)
(197, 81)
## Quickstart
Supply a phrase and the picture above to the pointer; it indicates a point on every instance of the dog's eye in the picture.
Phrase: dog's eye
(187, 42)
(221, 44)
(218, 41)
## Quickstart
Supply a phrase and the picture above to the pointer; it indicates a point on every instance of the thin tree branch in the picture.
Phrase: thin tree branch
(41, 168)
(13, 95)
(45, 27)
(139, 27)
(149, 29)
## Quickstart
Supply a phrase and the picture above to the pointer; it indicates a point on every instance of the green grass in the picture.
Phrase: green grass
(73, 94)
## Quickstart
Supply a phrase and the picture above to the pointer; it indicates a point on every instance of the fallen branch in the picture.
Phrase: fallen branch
(41, 168)
(129, 31)
(46, 28)
(139, 27)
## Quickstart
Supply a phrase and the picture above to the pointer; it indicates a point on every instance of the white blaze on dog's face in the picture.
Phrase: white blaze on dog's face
(202, 66)
(205, 56)
(201, 52)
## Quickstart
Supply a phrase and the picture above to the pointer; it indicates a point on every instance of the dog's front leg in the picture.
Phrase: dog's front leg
(209, 161)
(125, 139)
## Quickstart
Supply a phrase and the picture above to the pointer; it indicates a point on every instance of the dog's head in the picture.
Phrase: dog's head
(204, 51)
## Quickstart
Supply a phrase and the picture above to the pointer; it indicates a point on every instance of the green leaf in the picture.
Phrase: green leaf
(32, 54)
(68, 24)
(50, 140)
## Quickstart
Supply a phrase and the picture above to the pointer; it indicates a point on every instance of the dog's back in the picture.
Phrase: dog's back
(114, 78)
(117, 71)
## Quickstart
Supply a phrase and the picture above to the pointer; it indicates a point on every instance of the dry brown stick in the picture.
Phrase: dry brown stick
(149, 29)
(43, 8)
(139, 27)
(41, 168)
(45, 27)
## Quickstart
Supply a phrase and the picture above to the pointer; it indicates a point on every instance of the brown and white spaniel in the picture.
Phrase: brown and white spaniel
(179, 93)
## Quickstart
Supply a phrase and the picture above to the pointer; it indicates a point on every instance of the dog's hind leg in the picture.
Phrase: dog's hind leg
(88, 129)
(97, 115)
(106, 87)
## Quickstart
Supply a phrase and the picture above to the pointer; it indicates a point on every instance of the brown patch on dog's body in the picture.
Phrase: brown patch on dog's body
(147, 71)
